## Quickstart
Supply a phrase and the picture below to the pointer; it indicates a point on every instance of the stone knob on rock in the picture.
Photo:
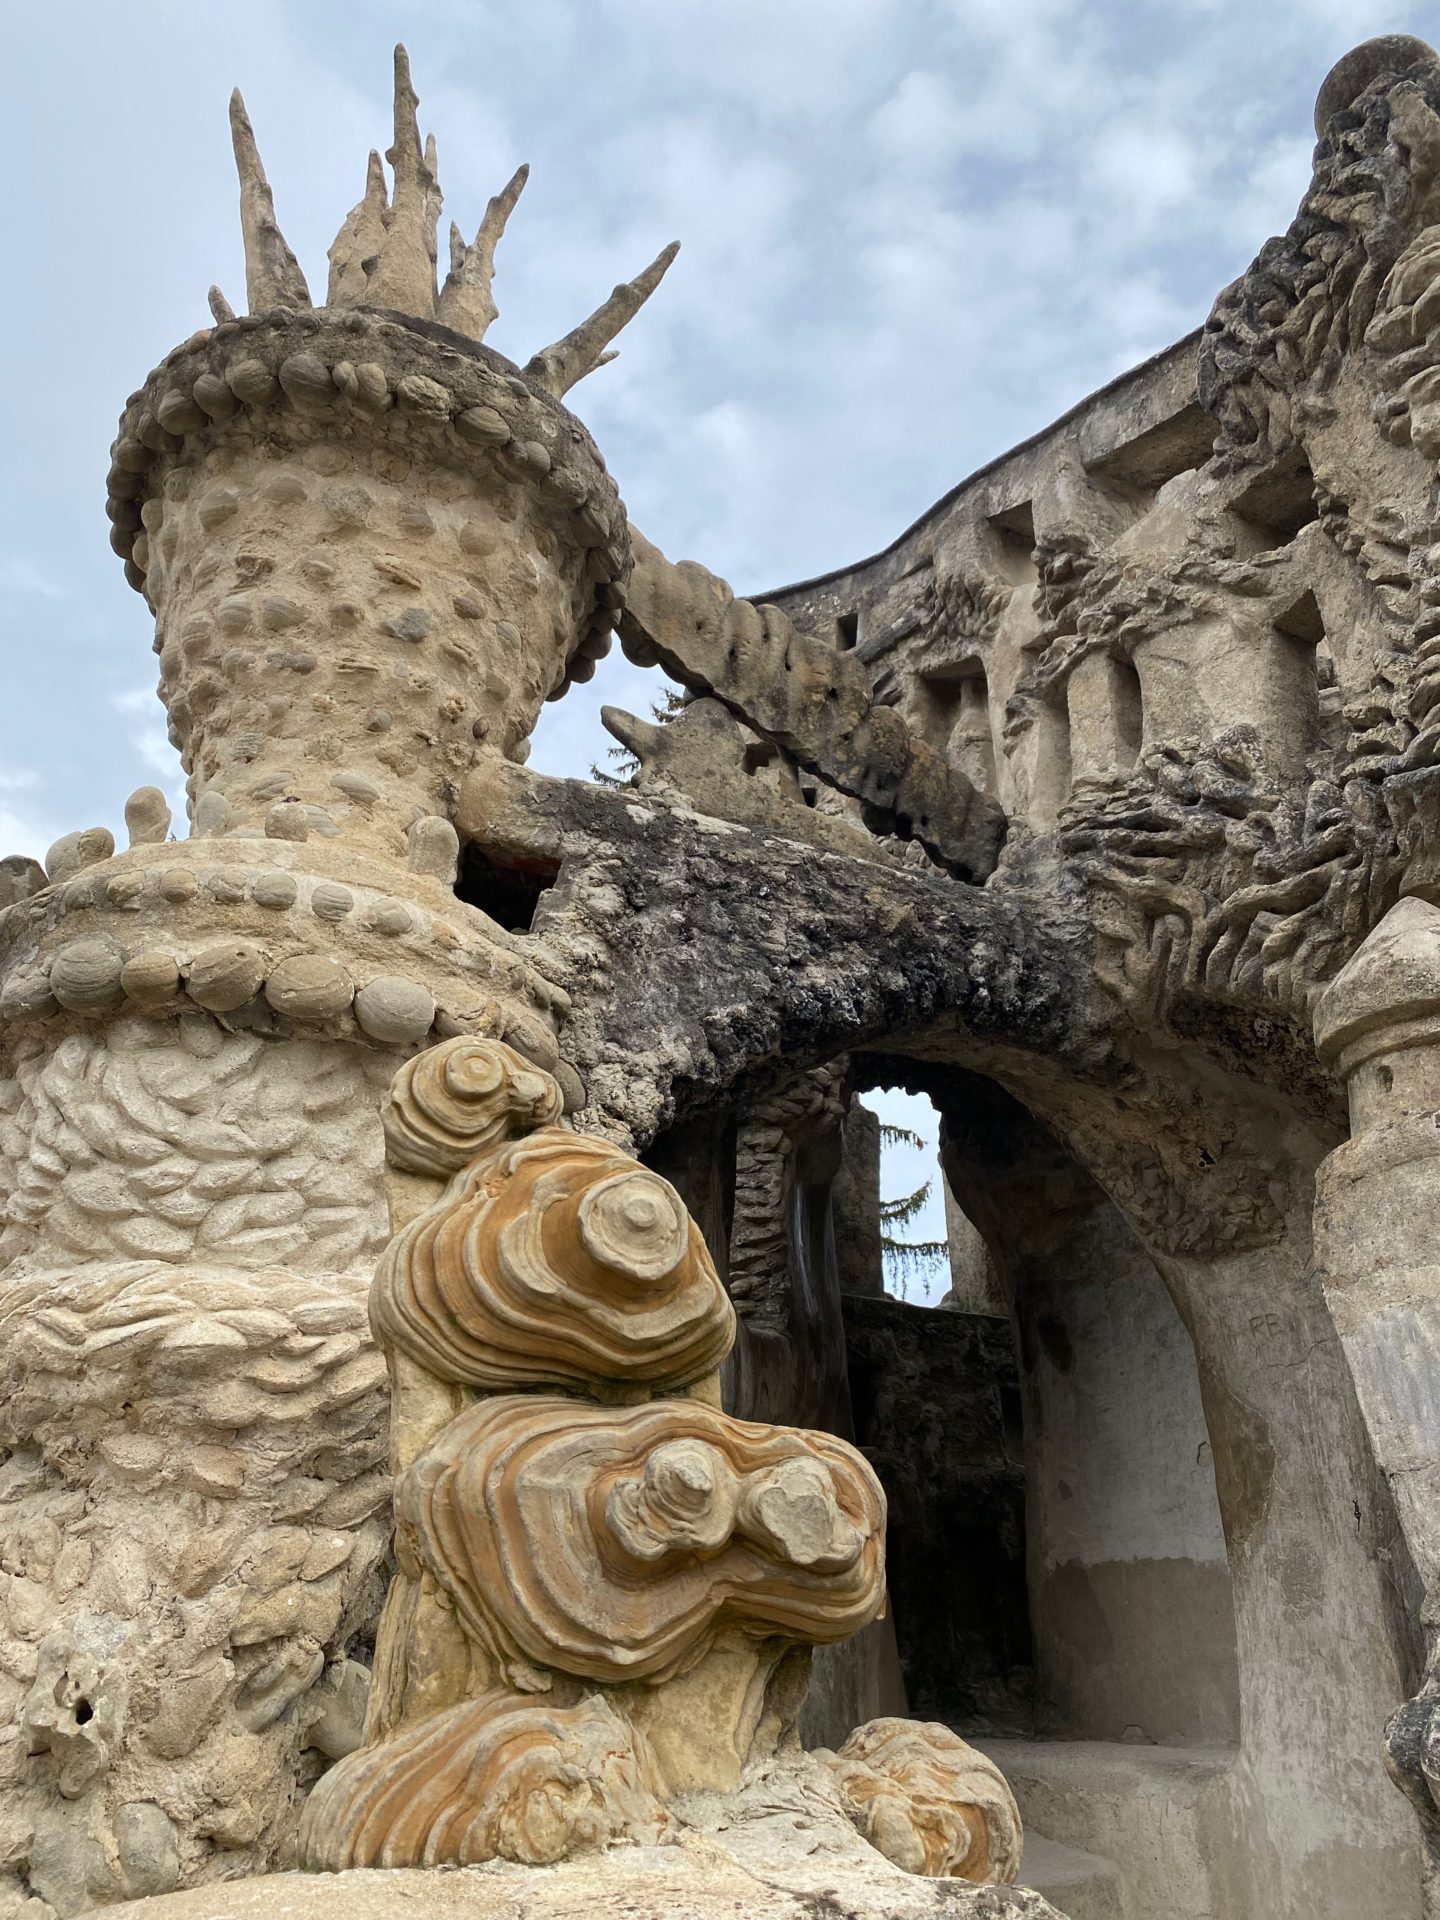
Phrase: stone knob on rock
(147, 816)
(73, 852)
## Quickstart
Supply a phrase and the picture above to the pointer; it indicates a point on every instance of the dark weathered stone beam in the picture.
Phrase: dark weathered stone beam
(700, 955)
(811, 699)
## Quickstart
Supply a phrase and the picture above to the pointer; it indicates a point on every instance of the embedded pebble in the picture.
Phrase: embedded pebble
(396, 1010)
(367, 385)
(215, 396)
(178, 413)
(279, 612)
(178, 883)
(212, 813)
(390, 916)
(224, 977)
(252, 381)
(484, 425)
(413, 624)
(218, 506)
(421, 395)
(288, 820)
(306, 380)
(309, 986)
(21, 878)
(348, 506)
(571, 1086)
(151, 979)
(274, 890)
(358, 787)
(331, 901)
(434, 848)
(27, 996)
(85, 975)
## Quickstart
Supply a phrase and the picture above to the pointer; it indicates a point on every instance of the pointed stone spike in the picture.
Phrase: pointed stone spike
(557, 368)
(360, 238)
(272, 273)
(466, 300)
(404, 274)
(220, 308)
(498, 212)
(434, 203)
(635, 735)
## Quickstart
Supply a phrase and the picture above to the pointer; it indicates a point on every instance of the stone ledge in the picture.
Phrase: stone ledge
(630, 1883)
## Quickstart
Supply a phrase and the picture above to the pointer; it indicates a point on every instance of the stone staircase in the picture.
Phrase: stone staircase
(1121, 1832)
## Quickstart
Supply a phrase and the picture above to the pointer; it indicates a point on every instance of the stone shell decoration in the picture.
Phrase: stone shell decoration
(554, 1260)
(600, 1596)
(496, 1777)
(389, 361)
(454, 1102)
(615, 1545)
(928, 1801)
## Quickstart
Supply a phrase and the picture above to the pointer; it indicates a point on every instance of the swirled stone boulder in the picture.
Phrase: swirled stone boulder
(458, 1100)
(930, 1802)
(498, 1777)
(615, 1544)
(554, 1260)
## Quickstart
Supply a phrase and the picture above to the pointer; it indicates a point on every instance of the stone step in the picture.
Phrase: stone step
(1081, 1885)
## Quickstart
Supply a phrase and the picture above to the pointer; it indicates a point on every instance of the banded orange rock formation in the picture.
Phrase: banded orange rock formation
(599, 1607)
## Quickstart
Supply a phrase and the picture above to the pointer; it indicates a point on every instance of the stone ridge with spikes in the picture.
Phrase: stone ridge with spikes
(384, 256)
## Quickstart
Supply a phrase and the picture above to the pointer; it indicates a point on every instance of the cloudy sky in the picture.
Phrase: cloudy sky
(913, 231)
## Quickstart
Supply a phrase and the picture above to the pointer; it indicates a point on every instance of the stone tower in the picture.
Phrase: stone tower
(373, 547)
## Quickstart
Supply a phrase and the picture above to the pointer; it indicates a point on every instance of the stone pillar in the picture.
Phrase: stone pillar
(1103, 700)
(1377, 1225)
(971, 746)
(788, 1364)
(1377, 1213)
(858, 1253)
(194, 1494)
(1317, 1831)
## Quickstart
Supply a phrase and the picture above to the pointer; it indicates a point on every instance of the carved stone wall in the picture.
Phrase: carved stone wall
(194, 1486)
(1088, 791)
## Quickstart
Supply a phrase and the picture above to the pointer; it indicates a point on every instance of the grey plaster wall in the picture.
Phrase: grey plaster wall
(1127, 1552)
(974, 1283)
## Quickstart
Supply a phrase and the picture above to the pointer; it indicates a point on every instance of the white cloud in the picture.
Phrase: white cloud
(921, 125)
(24, 832)
(1144, 168)
(21, 576)
(150, 747)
